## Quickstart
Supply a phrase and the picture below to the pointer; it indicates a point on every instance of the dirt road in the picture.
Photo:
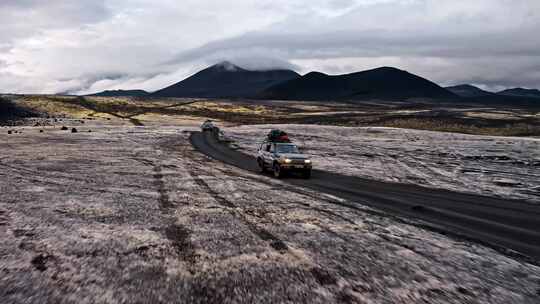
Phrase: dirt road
(137, 215)
(503, 223)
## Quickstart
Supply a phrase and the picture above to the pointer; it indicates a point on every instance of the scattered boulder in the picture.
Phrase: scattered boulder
(64, 128)
(39, 262)
(9, 132)
(40, 131)
(89, 131)
(73, 130)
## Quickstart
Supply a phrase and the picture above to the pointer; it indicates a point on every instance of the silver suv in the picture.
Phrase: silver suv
(208, 125)
(281, 158)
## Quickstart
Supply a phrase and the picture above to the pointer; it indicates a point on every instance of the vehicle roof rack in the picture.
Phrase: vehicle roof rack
(279, 141)
(277, 136)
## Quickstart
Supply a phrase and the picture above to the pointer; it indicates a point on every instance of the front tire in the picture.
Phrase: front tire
(278, 172)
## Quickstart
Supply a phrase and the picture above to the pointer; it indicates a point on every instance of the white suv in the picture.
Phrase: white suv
(281, 158)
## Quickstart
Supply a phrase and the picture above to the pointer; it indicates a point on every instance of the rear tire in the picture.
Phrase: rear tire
(262, 167)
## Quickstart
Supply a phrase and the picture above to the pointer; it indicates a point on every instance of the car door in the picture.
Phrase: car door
(267, 154)
(271, 153)
(261, 151)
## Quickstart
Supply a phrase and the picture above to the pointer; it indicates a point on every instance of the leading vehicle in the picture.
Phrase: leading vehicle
(283, 157)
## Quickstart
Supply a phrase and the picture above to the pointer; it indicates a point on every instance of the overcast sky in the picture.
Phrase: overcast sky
(87, 46)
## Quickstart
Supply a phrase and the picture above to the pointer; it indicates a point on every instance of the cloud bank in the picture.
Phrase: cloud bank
(88, 46)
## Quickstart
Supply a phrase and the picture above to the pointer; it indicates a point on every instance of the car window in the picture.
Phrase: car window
(287, 149)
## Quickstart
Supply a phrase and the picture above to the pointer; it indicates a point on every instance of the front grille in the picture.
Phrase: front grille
(297, 161)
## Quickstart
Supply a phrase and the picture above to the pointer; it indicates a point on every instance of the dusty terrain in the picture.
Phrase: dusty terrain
(134, 214)
(507, 167)
(131, 213)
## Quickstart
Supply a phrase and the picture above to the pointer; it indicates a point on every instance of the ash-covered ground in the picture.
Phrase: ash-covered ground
(128, 214)
(506, 167)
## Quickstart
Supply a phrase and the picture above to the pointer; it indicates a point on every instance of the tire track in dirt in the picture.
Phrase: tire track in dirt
(178, 235)
(320, 274)
(180, 238)
(200, 164)
(265, 235)
(307, 193)
(163, 199)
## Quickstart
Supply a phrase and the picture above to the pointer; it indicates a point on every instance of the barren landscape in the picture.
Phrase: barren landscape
(289, 151)
(126, 208)
(507, 167)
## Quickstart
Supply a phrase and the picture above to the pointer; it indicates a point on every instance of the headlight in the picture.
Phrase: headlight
(307, 161)
(287, 161)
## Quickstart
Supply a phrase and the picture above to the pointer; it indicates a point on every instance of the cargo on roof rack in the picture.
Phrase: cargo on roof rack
(278, 136)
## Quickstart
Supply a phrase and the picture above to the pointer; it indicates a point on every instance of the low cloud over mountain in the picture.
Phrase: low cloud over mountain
(89, 46)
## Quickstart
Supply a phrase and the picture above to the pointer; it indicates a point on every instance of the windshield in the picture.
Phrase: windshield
(286, 149)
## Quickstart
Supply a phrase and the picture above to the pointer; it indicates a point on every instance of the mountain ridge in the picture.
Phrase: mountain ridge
(226, 80)
(468, 90)
(382, 82)
(521, 92)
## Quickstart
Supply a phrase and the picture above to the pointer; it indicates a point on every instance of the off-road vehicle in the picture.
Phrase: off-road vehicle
(281, 158)
(208, 125)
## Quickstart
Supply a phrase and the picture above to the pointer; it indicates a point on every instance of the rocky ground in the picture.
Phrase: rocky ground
(127, 214)
(507, 167)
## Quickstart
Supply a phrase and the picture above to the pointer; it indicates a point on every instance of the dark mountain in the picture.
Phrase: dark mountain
(226, 80)
(513, 97)
(520, 92)
(380, 83)
(467, 90)
(120, 93)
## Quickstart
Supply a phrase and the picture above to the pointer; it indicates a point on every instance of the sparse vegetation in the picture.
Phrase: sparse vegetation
(504, 129)
(501, 121)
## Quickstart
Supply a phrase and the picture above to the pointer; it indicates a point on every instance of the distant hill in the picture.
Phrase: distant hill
(9, 110)
(467, 90)
(520, 92)
(380, 83)
(225, 80)
(120, 93)
(515, 97)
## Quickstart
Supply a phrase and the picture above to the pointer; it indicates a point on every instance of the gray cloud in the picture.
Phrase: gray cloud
(85, 46)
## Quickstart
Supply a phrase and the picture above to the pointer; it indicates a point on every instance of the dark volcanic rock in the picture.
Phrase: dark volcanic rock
(40, 262)
(380, 83)
(520, 92)
(226, 80)
(467, 90)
